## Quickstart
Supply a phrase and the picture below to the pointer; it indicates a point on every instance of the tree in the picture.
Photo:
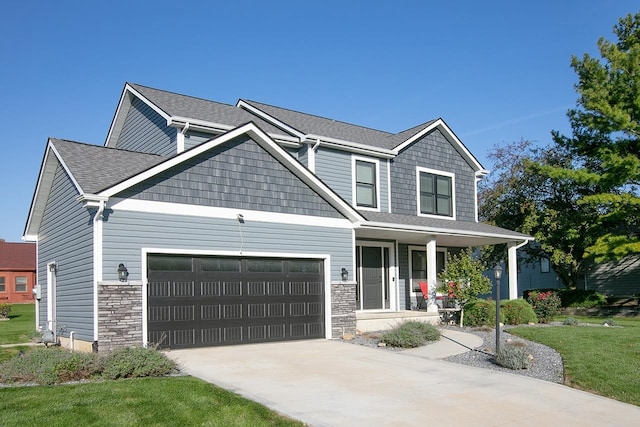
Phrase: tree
(605, 140)
(519, 197)
(462, 279)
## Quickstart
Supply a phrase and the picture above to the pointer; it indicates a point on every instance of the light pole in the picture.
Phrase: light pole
(497, 273)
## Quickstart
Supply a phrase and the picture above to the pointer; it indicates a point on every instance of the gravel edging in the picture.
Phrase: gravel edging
(546, 365)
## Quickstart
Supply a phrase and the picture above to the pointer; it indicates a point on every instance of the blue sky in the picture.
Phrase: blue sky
(495, 71)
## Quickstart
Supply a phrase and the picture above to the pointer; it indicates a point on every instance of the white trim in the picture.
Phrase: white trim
(394, 292)
(168, 208)
(97, 262)
(269, 118)
(388, 185)
(354, 195)
(145, 251)
(51, 298)
(440, 231)
(420, 169)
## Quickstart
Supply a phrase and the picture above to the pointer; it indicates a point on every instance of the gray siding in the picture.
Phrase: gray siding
(240, 174)
(146, 131)
(66, 237)
(435, 152)
(302, 155)
(384, 189)
(616, 278)
(334, 168)
(126, 233)
(404, 291)
(192, 139)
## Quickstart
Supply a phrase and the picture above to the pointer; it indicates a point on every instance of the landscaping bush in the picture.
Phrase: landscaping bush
(411, 334)
(49, 366)
(136, 362)
(609, 322)
(514, 356)
(581, 298)
(480, 313)
(5, 310)
(570, 321)
(545, 305)
(517, 312)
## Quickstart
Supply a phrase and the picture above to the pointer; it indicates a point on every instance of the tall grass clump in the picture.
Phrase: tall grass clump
(410, 334)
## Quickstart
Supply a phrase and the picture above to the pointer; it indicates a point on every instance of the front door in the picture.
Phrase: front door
(374, 274)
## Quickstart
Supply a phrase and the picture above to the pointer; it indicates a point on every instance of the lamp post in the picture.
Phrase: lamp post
(497, 273)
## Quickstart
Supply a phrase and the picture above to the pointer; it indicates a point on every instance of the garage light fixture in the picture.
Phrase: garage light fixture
(345, 274)
(122, 273)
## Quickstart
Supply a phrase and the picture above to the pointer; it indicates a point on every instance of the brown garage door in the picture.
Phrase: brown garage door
(209, 301)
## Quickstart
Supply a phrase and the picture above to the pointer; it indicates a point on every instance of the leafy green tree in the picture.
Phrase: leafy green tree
(519, 197)
(605, 140)
(462, 279)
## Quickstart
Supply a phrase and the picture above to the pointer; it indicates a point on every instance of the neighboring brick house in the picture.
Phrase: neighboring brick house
(17, 272)
(200, 223)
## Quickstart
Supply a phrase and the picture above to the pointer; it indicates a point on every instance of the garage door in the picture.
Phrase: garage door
(209, 301)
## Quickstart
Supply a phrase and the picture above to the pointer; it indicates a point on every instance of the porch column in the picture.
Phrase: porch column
(512, 250)
(432, 275)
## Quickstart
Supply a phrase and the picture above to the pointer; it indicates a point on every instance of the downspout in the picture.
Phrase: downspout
(97, 263)
(71, 340)
(312, 155)
(181, 135)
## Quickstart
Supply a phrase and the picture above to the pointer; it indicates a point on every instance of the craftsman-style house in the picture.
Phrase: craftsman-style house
(200, 224)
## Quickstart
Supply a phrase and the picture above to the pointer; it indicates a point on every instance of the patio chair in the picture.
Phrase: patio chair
(424, 294)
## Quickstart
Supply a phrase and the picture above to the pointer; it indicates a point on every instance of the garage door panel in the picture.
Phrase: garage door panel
(222, 301)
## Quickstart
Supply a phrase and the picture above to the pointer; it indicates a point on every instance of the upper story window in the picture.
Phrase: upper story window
(365, 183)
(436, 195)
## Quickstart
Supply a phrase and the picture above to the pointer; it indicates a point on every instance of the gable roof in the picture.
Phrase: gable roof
(17, 256)
(178, 110)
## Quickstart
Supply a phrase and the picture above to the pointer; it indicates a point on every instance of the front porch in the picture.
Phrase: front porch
(369, 321)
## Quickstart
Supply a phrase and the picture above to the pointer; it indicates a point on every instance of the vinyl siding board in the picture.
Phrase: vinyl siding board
(146, 131)
(239, 174)
(125, 233)
(192, 139)
(432, 151)
(66, 237)
(333, 167)
(616, 278)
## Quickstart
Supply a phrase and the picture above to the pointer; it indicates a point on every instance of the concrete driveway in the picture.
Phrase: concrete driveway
(331, 383)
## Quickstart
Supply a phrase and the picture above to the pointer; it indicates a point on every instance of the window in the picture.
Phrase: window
(366, 177)
(435, 193)
(2, 288)
(544, 265)
(21, 283)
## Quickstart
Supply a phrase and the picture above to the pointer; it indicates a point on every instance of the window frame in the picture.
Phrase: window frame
(25, 284)
(3, 284)
(376, 184)
(451, 176)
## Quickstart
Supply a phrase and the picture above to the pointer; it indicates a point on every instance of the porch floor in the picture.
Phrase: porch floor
(369, 321)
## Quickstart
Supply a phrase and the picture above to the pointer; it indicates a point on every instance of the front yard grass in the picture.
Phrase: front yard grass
(20, 327)
(598, 359)
(165, 401)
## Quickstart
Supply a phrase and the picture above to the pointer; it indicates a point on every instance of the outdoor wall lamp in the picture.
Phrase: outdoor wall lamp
(497, 273)
(122, 273)
(345, 274)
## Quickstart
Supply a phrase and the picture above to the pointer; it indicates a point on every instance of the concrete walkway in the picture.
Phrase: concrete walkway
(332, 383)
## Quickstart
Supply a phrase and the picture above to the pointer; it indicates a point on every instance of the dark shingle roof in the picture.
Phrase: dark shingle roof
(316, 125)
(174, 104)
(95, 167)
(440, 224)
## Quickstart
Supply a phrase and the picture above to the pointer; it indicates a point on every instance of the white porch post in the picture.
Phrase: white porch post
(432, 275)
(512, 249)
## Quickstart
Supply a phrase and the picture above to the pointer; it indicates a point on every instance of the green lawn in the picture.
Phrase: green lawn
(602, 360)
(21, 326)
(178, 401)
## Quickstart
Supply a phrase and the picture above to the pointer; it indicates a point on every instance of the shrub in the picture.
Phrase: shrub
(570, 321)
(5, 310)
(581, 298)
(517, 312)
(411, 334)
(514, 356)
(480, 313)
(545, 305)
(49, 366)
(133, 362)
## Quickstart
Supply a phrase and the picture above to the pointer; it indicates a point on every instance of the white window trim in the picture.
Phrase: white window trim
(453, 192)
(353, 182)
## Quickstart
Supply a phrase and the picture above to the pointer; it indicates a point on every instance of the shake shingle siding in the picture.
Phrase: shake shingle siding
(146, 131)
(127, 232)
(433, 151)
(66, 237)
(240, 175)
